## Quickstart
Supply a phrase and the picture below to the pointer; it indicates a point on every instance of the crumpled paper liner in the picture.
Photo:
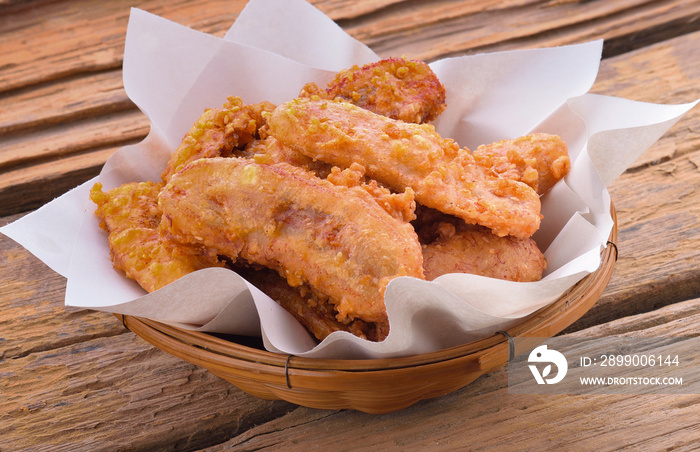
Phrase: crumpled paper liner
(173, 73)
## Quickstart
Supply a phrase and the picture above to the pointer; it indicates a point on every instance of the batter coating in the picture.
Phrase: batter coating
(398, 88)
(131, 216)
(336, 239)
(402, 155)
(539, 159)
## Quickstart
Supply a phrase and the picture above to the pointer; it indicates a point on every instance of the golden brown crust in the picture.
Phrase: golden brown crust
(476, 251)
(270, 150)
(539, 160)
(398, 88)
(131, 216)
(402, 155)
(311, 310)
(319, 193)
(218, 132)
(132, 205)
(153, 261)
(452, 246)
(337, 240)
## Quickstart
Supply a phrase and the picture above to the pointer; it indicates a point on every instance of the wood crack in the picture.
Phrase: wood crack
(59, 344)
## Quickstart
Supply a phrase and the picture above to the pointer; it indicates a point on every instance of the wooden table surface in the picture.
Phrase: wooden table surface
(78, 380)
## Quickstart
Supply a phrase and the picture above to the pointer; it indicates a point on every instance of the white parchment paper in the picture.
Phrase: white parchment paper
(173, 73)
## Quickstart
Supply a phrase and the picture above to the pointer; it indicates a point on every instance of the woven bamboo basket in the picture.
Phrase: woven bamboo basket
(372, 385)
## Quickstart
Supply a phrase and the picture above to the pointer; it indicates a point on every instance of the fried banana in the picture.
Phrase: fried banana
(315, 313)
(452, 246)
(399, 205)
(218, 132)
(131, 216)
(154, 261)
(397, 88)
(402, 155)
(539, 160)
(476, 251)
(132, 205)
(336, 239)
(270, 151)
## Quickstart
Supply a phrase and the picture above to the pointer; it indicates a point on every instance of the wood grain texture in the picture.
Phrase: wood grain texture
(429, 30)
(61, 39)
(43, 164)
(92, 391)
(73, 379)
(119, 393)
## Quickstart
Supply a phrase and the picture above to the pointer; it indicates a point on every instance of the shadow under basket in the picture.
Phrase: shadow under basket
(372, 385)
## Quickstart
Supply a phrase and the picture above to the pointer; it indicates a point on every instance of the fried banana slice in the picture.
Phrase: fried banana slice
(399, 205)
(132, 205)
(402, 155)
(336, 239)
(452, 246)
(397, 88)
(317, 315)
(131, 216)
(218, 132)
(154, 261)
(477, 251)
(539, 160)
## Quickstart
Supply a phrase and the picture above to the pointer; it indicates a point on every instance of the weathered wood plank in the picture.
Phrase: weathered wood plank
(64, 38)
(97, 385)
(75, 379)
(666, 73)
(119, 393)
(676, 320)
(30, 188)
(89, 134)
(428, 30)
(63, 101)
(40, 166)
(484, 416)
(56, 39)
(658, 244)
(340, 10)
(481, 418)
